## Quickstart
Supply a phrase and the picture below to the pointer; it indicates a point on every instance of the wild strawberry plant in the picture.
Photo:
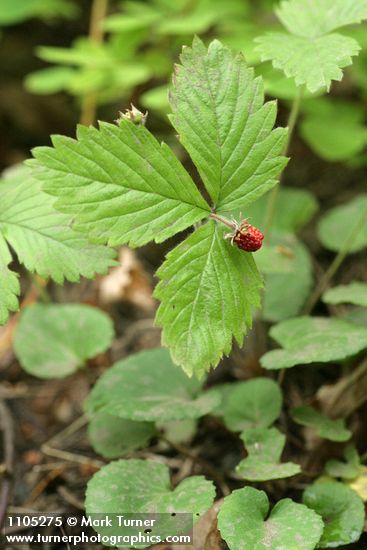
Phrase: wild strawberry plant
(117, 185)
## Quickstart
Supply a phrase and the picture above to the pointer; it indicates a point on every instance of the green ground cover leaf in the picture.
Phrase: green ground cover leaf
(341, 509)
(256, 403)
(264, 448)
(207, 289)
(245, 523)
(112, 436)
(313, 340)
(16, 11)
(354, 293)
(42, 238)
(241, 156)
(334, 430)
(123, 185)
(310, 51)
(347, 469)
(143, 487)
(148, 387)
(54, 340)
(338, 225)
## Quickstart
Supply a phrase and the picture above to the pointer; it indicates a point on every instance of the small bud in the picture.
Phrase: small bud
(133, 115)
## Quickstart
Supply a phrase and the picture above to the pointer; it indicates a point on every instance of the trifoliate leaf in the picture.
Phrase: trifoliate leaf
(348, 469)
(354, 293)
(335, 130)
(242, 523)
(148, 386)
(334, 430)
(264, 448)
(112, 437)
(340, 224)
(313, 340)
(341, 509)
(122, 185)
(143, 487)
(54, 340)
(42, 238)
(207, 288)
(240, 157)
(256, 403)
(311, 53)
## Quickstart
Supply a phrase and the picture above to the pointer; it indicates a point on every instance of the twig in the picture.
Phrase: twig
(336, 263)
(89, 103)
(7, 473)
(292, 120)
(71, 457)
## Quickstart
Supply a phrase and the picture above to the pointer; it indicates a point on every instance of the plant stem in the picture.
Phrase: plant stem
(89, 103)
(336, 263)
(292, 120)
(220, 219)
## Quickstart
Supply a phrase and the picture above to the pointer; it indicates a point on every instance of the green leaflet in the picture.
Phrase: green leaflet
(42, 238)
(207, 288)
(348, 469)
(239, 156)
(121, 183)
(311, 53)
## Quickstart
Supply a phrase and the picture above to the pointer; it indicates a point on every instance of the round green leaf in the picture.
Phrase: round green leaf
(143, 487)
(290, 526)
(112, 437)
(255, 403)
(334, 430)
(148, 386)
(354, 293)
(264, 448)
(338, 225)
(313, 339)
(341, 509)
(54, 340)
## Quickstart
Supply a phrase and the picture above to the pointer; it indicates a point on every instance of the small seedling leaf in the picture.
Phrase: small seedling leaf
(264, 448)
(348, 469)
(334, 430)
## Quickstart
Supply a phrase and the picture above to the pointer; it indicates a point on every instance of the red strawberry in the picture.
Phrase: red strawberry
(248, 237)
